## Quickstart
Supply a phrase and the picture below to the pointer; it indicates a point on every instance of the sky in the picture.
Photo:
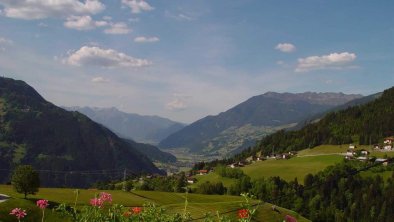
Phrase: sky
(188, 59)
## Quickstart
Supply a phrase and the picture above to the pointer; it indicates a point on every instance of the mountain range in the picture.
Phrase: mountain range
(65, 146)
(366, 122)
(244, 124)
(144, 129)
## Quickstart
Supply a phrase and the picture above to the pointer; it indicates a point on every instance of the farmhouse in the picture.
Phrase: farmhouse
(191, 180)
(202, 172)
(381, 160)
(364, 152)
(350, 153)
(351, 146)
(238, 164)
(388, 143)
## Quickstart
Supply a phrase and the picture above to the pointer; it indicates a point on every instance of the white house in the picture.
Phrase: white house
(350, 153)
(388, 143)
(351, 146)
(191, 180)
(381, 160)
(364, 152)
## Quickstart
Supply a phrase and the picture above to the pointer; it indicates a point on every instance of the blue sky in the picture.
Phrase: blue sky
(188, 59)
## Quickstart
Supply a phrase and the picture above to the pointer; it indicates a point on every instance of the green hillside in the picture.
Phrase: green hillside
(36, 132)
(307, 161)
(297, 167)
(198, 204)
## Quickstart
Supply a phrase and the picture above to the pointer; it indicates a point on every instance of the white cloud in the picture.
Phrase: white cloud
(331, 61)
(176, 105)
(83, 23)
(39, 9)
(87, 23)
(134, 20)
(179, 16)
(107, 18)
(4, 43)
(184, 17)
(285, 47)
(99, 79)
(108, 58)
(42, 24)
(118, 28)
(137, 6)
(143, 39)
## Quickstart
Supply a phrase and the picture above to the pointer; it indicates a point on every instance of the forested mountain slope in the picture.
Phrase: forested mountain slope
(36, 132)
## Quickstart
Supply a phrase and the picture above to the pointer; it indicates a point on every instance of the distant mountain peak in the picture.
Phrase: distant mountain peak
(141, 128)
(322, 98)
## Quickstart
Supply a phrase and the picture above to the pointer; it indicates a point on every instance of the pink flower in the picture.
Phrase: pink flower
(106, 197)
(42, 204)
(19, 213)
(96, 202)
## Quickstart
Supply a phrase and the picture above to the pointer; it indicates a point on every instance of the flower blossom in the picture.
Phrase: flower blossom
(96, 202)
(42, 204)
(106, 197)
(127, 214)
(136, 210)
(19, 213)
(243, 213)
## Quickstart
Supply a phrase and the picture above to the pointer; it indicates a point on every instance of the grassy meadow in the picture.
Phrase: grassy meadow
(307, 161)
(340, 149)
(287, 169)
(198, 205)
(296, 167)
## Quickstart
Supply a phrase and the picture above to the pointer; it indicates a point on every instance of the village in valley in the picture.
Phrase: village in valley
(353, 152)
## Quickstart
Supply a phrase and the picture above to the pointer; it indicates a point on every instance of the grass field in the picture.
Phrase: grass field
(307, 161)
(289, 169)
(337, 149)
(198, 205)
(324, 149)
(212, 177)
(286, 169)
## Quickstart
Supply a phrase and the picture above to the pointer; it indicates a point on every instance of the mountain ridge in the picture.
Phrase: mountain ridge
(366, 122)
(36, 132)
(269, 110)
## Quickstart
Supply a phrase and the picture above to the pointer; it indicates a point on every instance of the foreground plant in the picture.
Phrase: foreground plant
(19, 213)
(246, 213)
(42, 204)
(101, 209)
